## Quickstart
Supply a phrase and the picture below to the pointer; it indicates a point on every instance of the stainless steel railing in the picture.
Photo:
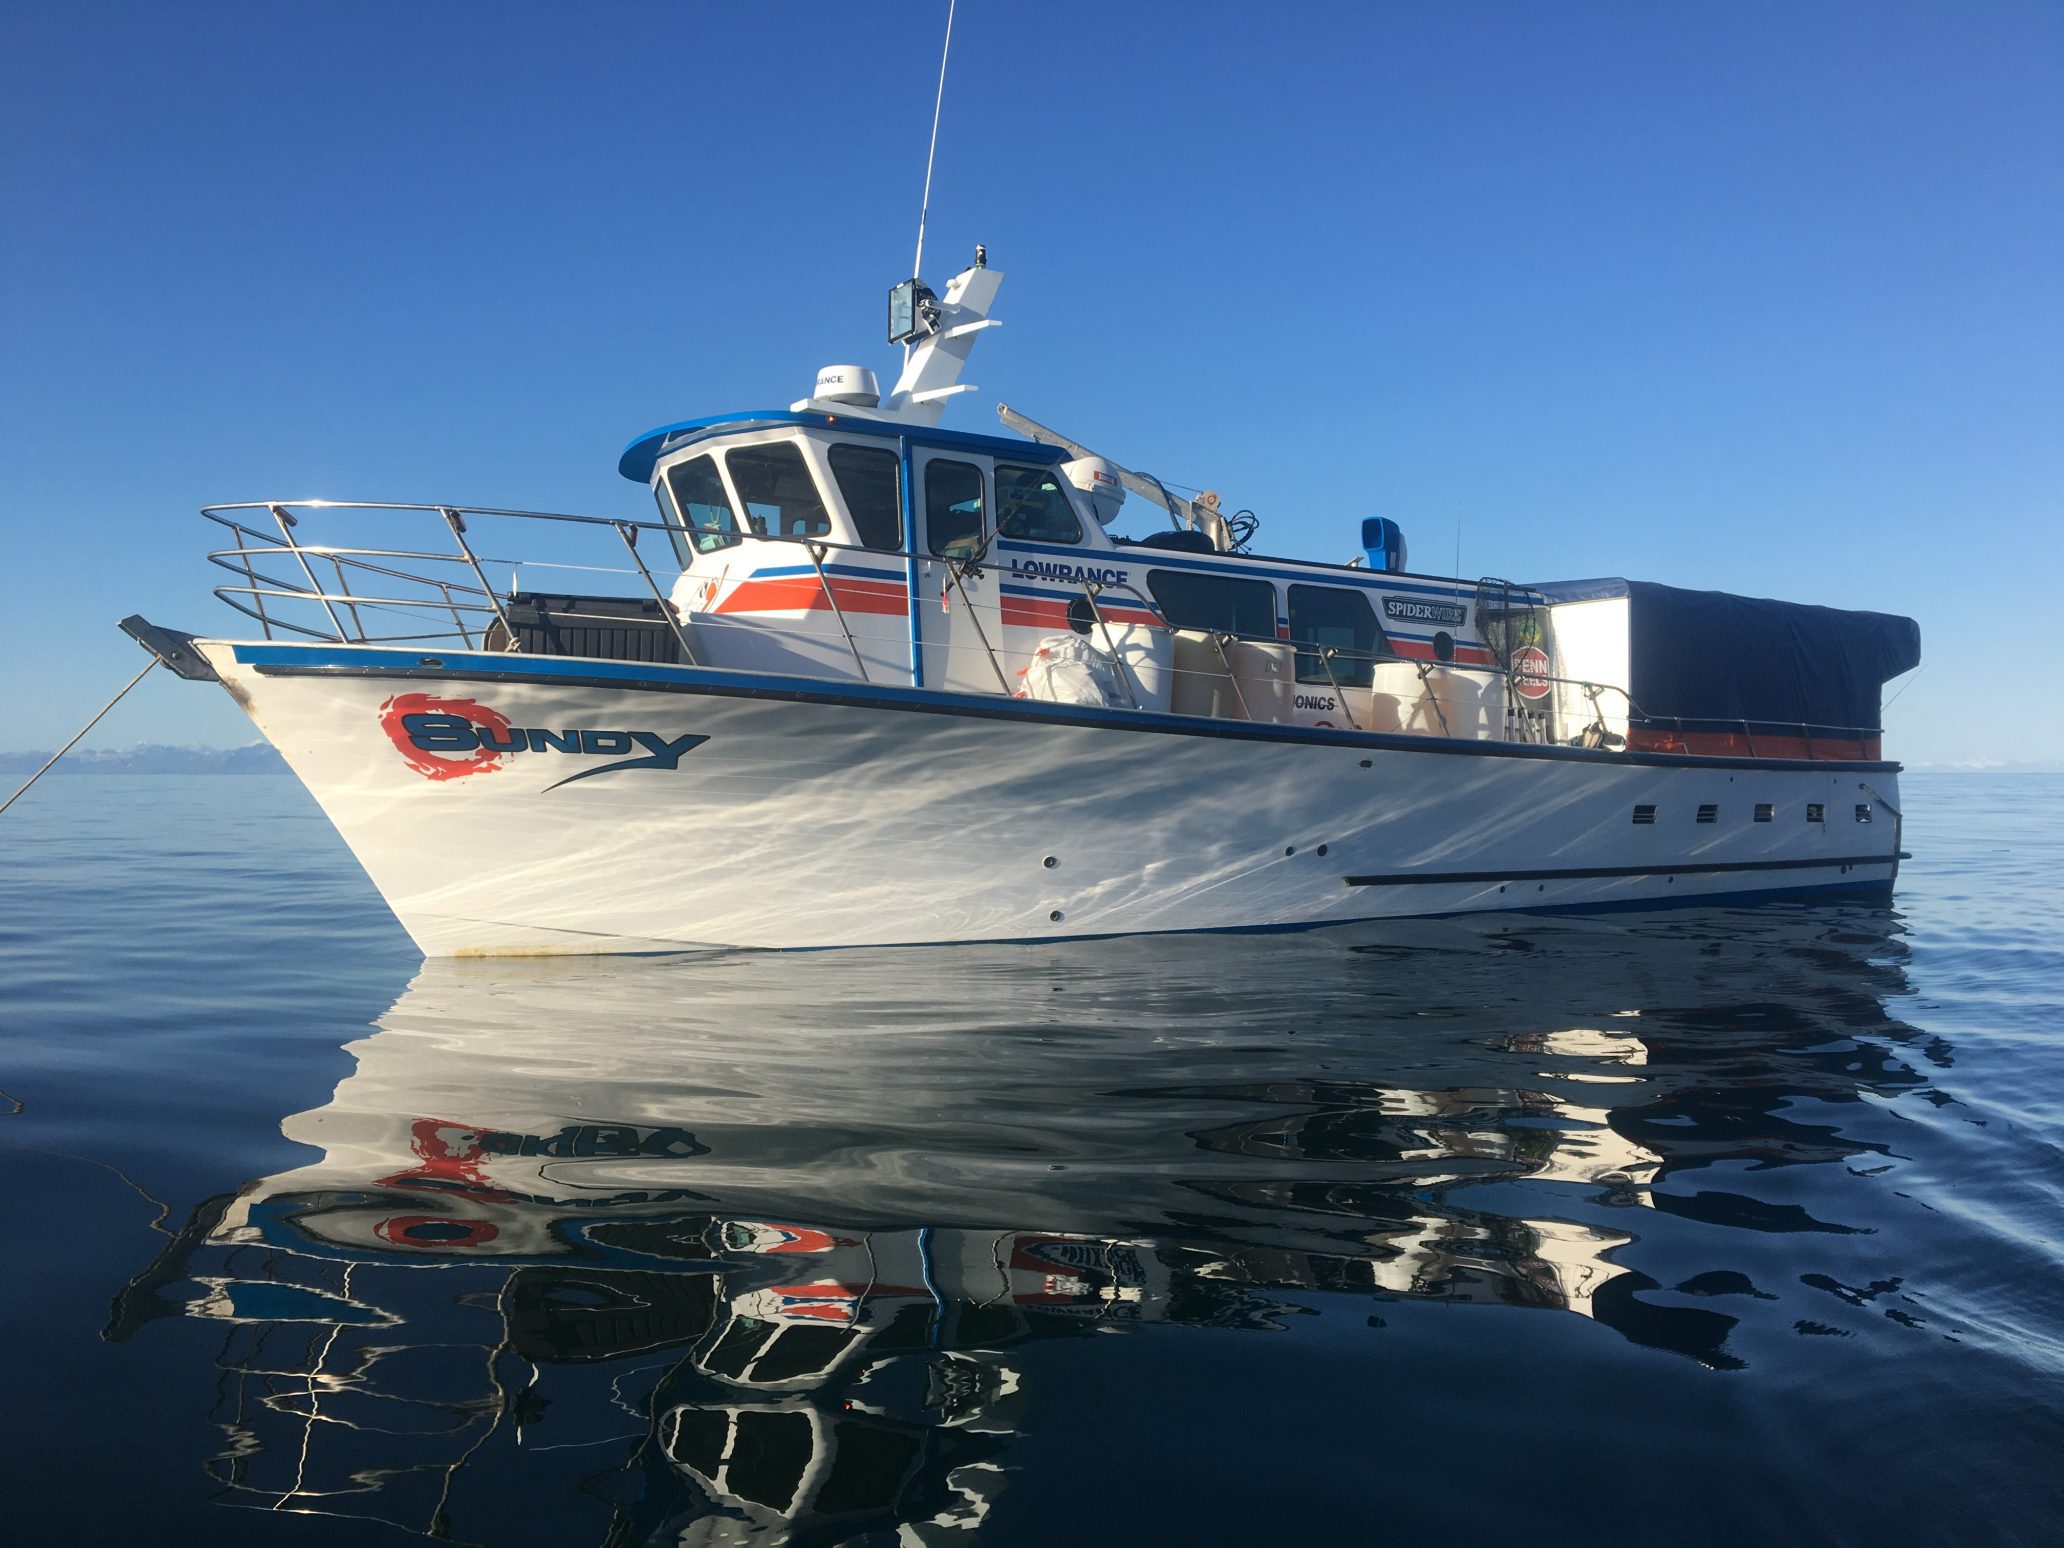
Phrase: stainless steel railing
(339, 585)
(345, 593)
(470, 604)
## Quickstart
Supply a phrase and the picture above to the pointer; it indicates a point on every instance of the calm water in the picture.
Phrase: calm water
(1707, 1227)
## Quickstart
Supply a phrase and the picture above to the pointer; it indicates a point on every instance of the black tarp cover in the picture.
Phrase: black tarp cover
(1709, 660)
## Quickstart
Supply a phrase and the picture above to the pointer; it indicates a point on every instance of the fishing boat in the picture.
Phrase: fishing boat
(866, 680)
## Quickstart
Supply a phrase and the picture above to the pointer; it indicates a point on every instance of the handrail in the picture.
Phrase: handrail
(955, 572)
(1326, 659)
(232, 597)
(470, 595)
(629, 534)
(1090, 590)
(238, 532)
(363, 600)
(210, 511)
(286, 526)
(816, 552)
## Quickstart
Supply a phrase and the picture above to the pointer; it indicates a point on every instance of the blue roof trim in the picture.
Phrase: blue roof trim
(638, 458)
(643, 454)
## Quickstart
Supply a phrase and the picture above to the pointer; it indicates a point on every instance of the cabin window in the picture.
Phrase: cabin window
(870, 481)
(1219, 603)
(953, 508)
(780, 497)
(705, 510)
(1342, 619)
(1031, 504)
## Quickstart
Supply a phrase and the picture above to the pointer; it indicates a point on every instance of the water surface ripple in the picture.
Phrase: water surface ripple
(1710, 1226)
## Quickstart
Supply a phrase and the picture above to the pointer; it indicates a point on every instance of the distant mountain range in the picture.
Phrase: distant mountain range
(149, 758)
(1989, 766)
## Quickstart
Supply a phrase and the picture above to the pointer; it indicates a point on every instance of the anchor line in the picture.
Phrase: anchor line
(74, 742)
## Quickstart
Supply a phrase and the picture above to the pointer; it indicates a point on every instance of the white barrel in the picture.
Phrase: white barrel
(1201, 685)
(1146, 652)
(1267, 674)
(1449, 704)
(1430, 701)
(1374, 710)
(1261, 684)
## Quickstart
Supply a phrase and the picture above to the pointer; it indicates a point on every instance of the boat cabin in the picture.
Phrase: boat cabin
(814, 542)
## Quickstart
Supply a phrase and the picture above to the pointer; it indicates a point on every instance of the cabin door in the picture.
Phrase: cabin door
(957, 576)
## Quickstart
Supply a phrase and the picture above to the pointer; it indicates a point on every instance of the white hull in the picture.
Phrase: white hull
(826, 814)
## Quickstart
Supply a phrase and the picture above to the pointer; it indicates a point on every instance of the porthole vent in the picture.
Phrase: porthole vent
(1765, 811)
(1709, 813)
(1644, 816)
(1815, 812)
(1863, 811)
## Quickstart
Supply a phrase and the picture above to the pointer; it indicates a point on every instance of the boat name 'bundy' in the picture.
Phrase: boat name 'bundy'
(445, 739)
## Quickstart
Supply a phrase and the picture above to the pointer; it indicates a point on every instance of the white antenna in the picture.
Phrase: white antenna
(917, 268)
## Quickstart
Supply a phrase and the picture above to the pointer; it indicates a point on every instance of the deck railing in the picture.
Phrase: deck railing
(430, 597)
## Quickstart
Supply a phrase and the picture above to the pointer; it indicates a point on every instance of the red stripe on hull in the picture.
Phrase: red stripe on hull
(805, 594)
(1040, 613)
(1420, 650)
(1739, 744)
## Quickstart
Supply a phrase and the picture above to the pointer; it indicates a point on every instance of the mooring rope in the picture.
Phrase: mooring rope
(74, 742)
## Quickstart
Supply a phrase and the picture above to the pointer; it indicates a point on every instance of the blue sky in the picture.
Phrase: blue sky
(1762, 297)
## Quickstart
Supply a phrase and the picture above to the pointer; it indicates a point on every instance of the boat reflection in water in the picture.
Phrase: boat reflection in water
(702, 1248)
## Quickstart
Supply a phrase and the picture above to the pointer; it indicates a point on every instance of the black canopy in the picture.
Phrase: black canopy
(1709, 660)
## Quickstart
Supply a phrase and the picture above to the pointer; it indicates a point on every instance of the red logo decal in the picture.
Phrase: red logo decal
(432, 765)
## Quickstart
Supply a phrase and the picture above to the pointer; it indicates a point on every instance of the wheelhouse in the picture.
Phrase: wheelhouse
(822, 541)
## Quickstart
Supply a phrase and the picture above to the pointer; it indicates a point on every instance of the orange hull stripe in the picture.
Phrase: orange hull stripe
(804, 594)
(1737, 744)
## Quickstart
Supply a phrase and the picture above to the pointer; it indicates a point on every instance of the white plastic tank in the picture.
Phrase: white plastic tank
(1261, 685)
(1147, 655)
(1374, 711)
(1394, 691)
(1451, 704)
(1267, 674)
(1202, 685)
